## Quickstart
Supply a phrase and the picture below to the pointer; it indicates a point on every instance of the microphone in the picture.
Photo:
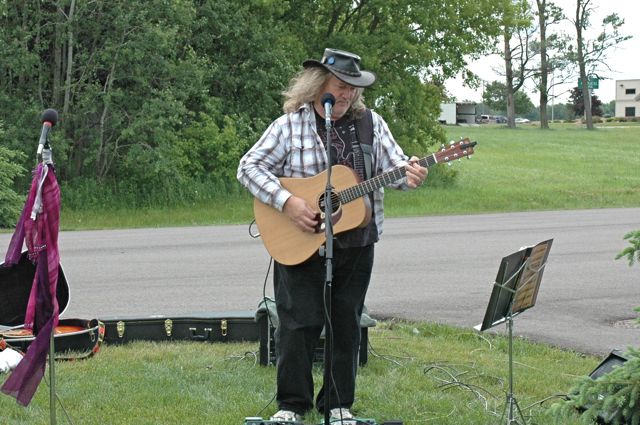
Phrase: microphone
(49, 118)
(328, 100)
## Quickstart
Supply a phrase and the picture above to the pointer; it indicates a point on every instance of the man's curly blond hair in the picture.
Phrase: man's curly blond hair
(305, 86)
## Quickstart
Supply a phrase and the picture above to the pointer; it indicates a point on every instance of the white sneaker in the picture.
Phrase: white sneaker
(342, 416)
(286, 416)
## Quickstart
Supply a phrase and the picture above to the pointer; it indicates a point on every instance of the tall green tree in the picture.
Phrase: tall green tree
(591, 54)
(412, 46)
(251, 52)
(578, 104)
(9, 170)
(126, 82)
(517, 29)
(495, 98)
(552, 50)
(9, 199)
(23, 80)
(609, 109)
(158, 95)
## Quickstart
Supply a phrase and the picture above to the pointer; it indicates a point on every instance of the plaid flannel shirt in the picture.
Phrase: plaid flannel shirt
(291, 147)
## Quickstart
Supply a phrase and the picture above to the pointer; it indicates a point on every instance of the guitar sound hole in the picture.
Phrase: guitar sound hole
(335, 203)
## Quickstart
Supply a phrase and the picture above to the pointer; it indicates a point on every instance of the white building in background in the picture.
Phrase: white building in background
(628, 98)
(457, 113)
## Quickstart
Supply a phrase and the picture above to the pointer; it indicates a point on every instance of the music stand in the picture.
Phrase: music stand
(514, 291)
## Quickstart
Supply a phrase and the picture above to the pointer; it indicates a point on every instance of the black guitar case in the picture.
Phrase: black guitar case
(74, 338)
(205, 327)
(15, 287)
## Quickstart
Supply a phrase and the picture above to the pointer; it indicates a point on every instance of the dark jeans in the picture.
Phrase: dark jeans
(299, 293)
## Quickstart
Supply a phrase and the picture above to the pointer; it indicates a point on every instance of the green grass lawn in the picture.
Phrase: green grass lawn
(527, 169)
(522, 169)
(417, 372)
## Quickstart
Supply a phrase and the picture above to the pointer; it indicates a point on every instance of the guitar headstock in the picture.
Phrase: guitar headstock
(455, 150)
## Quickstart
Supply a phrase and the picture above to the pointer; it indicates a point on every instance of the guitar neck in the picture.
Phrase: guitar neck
(364, 188)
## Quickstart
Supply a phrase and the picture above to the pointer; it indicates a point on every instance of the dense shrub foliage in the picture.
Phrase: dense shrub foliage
(160, 97)
(9, 170)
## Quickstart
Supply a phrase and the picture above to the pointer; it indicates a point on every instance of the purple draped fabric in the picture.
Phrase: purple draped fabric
(41, 238)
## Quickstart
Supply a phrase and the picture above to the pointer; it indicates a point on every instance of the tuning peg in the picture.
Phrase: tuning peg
(451, 143)
(469, 157)
(442, 146)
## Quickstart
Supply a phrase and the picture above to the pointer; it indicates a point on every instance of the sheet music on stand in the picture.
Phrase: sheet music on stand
(517, 283)
(514, 291)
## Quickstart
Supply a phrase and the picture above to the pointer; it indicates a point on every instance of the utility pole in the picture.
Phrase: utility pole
(553, 96)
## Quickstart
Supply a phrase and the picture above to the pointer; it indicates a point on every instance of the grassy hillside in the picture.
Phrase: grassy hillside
(522, 169)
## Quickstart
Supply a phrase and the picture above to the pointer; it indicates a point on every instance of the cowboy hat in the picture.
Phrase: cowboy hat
(345, 66)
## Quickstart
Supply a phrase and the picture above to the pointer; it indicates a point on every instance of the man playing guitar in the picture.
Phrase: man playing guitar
(293, 147)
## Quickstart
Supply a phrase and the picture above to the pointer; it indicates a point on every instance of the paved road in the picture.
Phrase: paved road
(429, 268)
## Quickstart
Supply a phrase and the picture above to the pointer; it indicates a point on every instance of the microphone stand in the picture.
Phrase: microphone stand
(328, 255)
(45, 156)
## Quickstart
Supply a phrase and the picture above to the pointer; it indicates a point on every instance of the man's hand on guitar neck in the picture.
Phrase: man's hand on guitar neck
(306, 219)
(301, 214)
(415, 173)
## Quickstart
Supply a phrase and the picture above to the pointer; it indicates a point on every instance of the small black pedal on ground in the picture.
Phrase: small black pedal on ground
(256, 420)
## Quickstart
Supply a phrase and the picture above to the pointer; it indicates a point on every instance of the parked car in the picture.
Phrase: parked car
(486, 119)
(500, 119)
(522, 120)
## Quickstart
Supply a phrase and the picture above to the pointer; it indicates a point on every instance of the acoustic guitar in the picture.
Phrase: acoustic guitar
(289, 245)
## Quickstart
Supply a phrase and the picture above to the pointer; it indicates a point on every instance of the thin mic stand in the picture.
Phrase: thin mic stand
(328, 256)
(52, 380)
(47, 160)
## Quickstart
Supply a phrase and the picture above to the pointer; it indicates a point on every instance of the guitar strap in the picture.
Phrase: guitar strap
(364, 131)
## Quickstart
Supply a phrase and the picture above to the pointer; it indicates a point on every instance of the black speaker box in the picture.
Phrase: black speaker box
(268, 350)
(615, 358)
